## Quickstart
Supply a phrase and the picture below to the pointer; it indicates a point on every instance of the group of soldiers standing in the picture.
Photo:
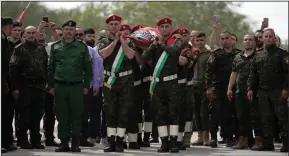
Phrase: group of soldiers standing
(175, 81)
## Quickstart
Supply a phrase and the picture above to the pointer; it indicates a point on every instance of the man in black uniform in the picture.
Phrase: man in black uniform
(6, 28)
(14, 40)
(28, 70)
(217, 79)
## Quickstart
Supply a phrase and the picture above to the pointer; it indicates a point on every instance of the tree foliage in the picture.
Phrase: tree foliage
(193, 15)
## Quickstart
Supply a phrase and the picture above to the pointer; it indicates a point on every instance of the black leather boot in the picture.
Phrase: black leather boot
(284, 147)
(146, 139)
(111, 144)
(133, 145)
(63, 147)
(214, 141)
(119, 144)
(268, 144)
(174, 144)
(75, 144)
(181, 146)
(139, 139)
(165, 145)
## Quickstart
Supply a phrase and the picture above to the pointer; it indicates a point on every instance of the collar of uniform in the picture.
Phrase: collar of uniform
(73, 43)
(243, 54)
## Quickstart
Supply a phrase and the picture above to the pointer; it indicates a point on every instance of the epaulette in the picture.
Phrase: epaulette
(217, 50)
(238, 50)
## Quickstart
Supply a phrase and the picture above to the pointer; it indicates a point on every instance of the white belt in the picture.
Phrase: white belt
(190, 83)
(181, 81)
(136, 83)
(166, 78)
(121, 74)
(146, 79)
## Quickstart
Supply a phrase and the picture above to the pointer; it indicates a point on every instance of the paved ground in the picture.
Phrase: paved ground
(193, 151)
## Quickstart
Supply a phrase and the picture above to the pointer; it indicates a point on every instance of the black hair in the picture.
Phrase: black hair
(235, 36)
(89, 31)
(259, 31)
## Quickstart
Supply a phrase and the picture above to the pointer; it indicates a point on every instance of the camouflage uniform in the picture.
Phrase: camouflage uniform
(165, 89)
(185, 111)
(217, 76)
(28, 70)
(244, 107)
(118, 91)
(269, 75)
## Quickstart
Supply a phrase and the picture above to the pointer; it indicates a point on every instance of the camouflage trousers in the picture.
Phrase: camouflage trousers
(166, 103)
(270, 103)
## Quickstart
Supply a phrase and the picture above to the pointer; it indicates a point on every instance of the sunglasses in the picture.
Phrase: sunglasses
(80, 35)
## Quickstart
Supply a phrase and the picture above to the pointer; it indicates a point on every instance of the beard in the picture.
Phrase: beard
(90, 43)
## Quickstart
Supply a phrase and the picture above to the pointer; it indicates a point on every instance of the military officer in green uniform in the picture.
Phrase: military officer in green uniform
(69, 77)
(28, 72)
(269, 75)
(118, 90)
(164, 86)
(217, 77)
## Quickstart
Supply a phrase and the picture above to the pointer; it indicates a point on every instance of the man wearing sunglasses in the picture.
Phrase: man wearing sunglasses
(79, 33)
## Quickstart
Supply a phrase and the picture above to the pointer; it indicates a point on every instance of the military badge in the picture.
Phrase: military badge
(70, 23)
(166, 21)
(113, 17)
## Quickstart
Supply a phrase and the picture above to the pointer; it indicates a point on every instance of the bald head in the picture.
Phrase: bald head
(193, 35)
(30, 33)
(103, 33)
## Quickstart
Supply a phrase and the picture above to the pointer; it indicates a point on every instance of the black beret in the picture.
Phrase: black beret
(6, 21)
(69, 23)
(89, 31)
(16, 24)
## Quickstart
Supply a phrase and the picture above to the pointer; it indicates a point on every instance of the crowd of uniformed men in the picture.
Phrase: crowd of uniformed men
(167, 87)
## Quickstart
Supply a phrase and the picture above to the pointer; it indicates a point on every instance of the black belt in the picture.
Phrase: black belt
(35, 81)
(67, 83)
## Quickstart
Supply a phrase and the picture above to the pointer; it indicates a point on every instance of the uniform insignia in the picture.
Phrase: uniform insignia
(166, 20)
(123, 27)
(70, 23)
(13, 59)
(184, 31)
(286, 59)
(113, 17)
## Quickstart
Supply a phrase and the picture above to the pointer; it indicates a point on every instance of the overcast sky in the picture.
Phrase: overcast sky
(277, 12)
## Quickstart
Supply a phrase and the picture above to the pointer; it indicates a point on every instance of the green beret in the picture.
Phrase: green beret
(6, 21)
(70, 23)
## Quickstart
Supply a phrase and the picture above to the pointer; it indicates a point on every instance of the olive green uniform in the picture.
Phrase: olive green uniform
(269, 75)
(201, 105)
(28, 71)
(69, 72)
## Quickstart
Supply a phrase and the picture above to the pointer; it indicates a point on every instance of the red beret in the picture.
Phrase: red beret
(165, 20)
(113, 18)
(135, 28)
(185, 31)
(176, 31)
(125, 27)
